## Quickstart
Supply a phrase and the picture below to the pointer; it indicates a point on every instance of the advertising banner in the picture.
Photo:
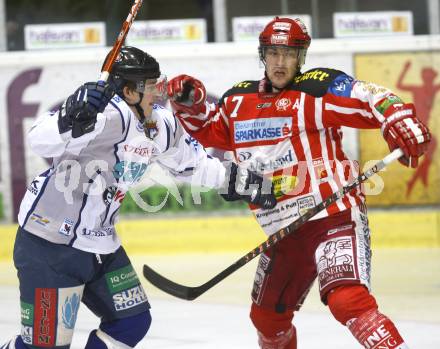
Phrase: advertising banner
(354, 24)
(167, 31)
(413, 76)
(51, 36)
(249, 28)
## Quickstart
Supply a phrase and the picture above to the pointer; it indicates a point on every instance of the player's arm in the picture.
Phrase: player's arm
(207, 122)
(186, 159)
(360, 104)
(74, 123)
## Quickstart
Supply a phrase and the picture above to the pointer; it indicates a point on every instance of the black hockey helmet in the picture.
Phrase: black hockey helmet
(133, 65)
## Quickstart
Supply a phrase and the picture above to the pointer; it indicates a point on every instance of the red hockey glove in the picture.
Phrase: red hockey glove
(403, 130)
(187, 95)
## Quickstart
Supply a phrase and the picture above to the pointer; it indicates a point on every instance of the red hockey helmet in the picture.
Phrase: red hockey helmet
(285, 32)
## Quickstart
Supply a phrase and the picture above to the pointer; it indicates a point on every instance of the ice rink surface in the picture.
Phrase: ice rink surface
(406, 283)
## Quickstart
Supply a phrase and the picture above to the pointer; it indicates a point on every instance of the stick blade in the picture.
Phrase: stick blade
(180, 291)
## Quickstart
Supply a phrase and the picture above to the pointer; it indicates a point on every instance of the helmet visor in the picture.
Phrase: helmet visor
(156, 87)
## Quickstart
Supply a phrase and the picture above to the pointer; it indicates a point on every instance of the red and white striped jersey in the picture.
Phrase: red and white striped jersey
(294, 137)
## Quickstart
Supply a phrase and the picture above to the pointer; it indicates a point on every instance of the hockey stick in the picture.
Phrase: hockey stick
(120, 40)
(191, 293)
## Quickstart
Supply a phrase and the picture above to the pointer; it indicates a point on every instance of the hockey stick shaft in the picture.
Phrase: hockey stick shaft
(191, 293)
(120, 40)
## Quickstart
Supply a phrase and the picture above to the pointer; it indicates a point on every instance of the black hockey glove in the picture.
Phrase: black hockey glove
(79, 111)
(248, 186)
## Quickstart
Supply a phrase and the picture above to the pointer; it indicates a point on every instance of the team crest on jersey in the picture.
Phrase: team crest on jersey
(283, 104)
(150, 128)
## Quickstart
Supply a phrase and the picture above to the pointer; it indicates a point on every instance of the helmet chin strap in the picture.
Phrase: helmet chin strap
(150, 128)
(138, 107)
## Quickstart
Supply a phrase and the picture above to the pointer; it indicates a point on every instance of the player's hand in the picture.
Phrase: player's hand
(403, 130)
(187, 95)
(245, 185)
(80, 110)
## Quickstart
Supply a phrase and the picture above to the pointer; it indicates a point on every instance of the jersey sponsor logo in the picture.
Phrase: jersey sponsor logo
(305, 203)
(27, 313)
(282, 215)
(268, 158)
(312, 75)
(371, 88)
(243, 84)
(342, 86)
(144, 152)
(66, 227)
(119, 196)
(260, 274)
(335, 261)
(264, 105)
(319, 169)
(363, 245)
(45, 317)
(112, 193)
(283, 184)
(129, 172)
(39, 219)
(27, 333)
(27, 321)
(339, 229)
(69, 310)
(283, 104)
(34, 187)
(69, 299)
(387, 102)
(129, 298)
(244, 155)
(122, 278)
(105, 231)
(108, 194)
(262, 129)
(279, 162)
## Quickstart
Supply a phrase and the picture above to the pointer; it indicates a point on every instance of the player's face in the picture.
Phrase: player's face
(153, 91)
(149, 96)
(281, 65)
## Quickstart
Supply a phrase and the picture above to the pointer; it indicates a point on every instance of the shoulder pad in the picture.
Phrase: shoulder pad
(248, 86)
(316, 81)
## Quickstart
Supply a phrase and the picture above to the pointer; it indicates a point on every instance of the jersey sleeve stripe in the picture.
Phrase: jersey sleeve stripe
(345, 110)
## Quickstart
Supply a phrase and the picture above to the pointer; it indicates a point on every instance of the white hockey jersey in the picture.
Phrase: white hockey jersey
(76, 201)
